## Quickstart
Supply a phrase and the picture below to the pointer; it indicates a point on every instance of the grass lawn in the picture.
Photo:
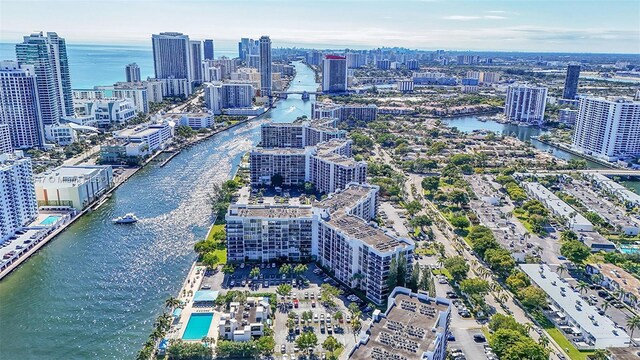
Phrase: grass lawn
(560, 339)
(425, 251)
(442, 271)
(565, 344)
(215, 229)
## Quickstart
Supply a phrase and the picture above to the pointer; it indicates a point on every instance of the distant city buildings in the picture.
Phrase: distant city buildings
(195, 49)
(344, 112)
(413, 64)
(132, 72)
(106, 111)
(384, 64)
(571, 82)
(334, 74)
(172, 62)
(220, 96)
(208, 49)
(356, 60)
(17, 194)
(468, 59)
(48, 55)
(608, 128)
(265, 66)
(525, 103)
(20, 105)
(567, 116)
(405, 85)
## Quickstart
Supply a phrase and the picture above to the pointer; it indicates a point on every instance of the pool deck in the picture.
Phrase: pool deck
(189, 287)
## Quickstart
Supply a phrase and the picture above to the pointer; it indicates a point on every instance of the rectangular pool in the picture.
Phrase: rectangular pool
(198, 326)
(50, 220)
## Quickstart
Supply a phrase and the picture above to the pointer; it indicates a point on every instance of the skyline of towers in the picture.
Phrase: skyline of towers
(209, 49)
(48, 55)
(265, 66)
(171, 58)
(571, 82)
(132, 72)
(334, 74)
(525, 103)
(20, 105)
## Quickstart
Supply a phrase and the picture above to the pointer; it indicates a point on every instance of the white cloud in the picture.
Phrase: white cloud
(469, 17)
(496, 12)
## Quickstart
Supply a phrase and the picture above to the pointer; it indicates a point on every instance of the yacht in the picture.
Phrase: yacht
(127, 219)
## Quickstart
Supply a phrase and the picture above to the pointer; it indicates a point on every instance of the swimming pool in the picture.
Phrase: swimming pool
(629, 249)
(198, 326)
(50, 220)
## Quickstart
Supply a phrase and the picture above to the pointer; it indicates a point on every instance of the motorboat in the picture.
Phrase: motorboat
(129, 218)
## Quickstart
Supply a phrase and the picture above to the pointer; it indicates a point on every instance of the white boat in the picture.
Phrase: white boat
(129, 218)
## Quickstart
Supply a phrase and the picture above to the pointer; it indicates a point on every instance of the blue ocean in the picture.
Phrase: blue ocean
(92, 65)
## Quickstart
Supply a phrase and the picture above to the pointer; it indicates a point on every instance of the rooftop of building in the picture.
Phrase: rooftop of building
(357, 228)
(331, 145)
(346, 198)
(271, 211)
(7, 159)
(625, 280)
(570, 302)
(624, 353)
(405, 332)
(140, 130)
(556, 204)
(337, 159)
(245, 313)
(279, 151)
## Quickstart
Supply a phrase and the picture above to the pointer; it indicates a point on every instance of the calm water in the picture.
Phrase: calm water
(94, 291)
(524, 133)
(92, 65)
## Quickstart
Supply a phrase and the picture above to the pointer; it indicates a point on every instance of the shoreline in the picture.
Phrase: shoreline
(571, 151)
(107, 195)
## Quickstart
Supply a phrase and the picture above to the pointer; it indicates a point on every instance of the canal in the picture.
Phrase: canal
(95, 291)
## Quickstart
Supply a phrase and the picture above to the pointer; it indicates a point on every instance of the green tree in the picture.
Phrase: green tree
(331, 344)
(633, 323)
(285, 269)
(254, 273)
(328, 294)
(500, 260)
(431, 183)
(414, 278)
(265, 345)
(517, 280)
(532, 297)
(307, 341)
(474, 286)
(568, 235)
(421, 221)
(413, 207)
(458, 197)
(210, 260)
(460, 222)
(180, 350)
(500, 321)
(307, 316)
(457, 266)
(284, 289)
(575, 251)
(171, 302)
(300, 269)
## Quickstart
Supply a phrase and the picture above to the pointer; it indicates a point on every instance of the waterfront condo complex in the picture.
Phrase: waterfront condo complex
(335, 232)
(17, 194)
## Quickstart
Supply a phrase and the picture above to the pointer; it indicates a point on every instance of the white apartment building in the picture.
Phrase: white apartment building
(299, 134)
(5, 139)
(289, 163)
(155, 135)
(574, 220)
(175, 87)
(489, 77)
(20, 105)
(334, 74)
(608, 128)
(220, 96)
(73, 186)
(172, 62)
(344, 112)
(211, 71)
(525, 103)
(106, 111)
(17, 194)
(193, 120)
(269, 233)
(244, 321)
(567, 116)
(335, 232)
(330, 171)
(136, 92)
(405, 85)
(414, 326)
(60, 134)
(572, 314)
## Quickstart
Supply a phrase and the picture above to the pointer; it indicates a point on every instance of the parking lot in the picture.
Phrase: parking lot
(305, 296)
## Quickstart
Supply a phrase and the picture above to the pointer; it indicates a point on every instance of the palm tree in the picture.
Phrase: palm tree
(544, 341)
(171, 302)
(619, 293)
(605, 306)
(582, 286)
(633, 323)
(600, 354)
(561, 268)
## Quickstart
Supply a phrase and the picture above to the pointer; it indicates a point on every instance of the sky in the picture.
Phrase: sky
(605, 26)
